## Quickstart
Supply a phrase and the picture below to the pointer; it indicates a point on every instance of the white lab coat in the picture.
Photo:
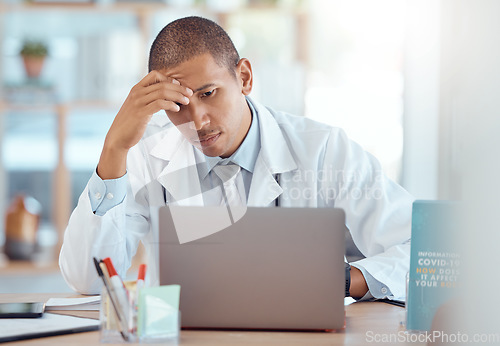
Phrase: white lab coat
(318, 166)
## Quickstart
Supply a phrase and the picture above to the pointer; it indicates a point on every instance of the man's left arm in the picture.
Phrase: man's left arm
(378, 216)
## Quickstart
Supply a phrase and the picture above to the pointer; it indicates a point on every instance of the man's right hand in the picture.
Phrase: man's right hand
(152, 94)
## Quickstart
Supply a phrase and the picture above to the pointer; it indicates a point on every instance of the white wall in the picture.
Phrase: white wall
(470, 105)
(452, 140)
(421, 98)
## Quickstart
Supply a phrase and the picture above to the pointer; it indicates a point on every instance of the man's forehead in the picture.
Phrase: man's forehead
(201, 64)
(197, 72)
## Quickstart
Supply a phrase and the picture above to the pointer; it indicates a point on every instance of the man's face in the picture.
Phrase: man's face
(217, 118)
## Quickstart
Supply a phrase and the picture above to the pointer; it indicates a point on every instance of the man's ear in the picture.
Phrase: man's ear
(245, 76)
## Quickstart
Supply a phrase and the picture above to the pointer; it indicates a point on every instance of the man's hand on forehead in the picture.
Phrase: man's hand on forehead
(155, 92)
(173, 81)
(158, 86)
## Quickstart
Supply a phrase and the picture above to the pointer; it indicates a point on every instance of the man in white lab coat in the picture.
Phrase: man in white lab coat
(197, 77)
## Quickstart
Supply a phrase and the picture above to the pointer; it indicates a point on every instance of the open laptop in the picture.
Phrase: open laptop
(275, 268)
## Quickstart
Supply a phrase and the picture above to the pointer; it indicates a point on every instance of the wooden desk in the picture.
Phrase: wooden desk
(366, 322)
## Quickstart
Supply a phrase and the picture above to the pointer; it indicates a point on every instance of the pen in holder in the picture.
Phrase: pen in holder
(118, 324)
(131, 313)
(153, 318)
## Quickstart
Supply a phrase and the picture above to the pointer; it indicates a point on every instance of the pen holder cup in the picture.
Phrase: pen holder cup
(149, 319)
(158, 317)
(114, 328)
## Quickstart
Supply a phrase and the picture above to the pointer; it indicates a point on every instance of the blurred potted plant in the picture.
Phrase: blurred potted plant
(34, 54)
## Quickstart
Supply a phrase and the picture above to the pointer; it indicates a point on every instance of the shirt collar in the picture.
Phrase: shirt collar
(246, 154)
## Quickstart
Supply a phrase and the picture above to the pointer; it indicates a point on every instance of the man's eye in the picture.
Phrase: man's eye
(208, 93)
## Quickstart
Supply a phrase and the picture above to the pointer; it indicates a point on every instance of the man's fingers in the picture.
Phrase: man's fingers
(167, 95)
(167, 85)
(169, 92)
(158, 105)
(157, 91)
(152, 77)
(155, 77)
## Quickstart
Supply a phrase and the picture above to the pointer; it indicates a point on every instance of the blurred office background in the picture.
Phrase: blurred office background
(390, 72)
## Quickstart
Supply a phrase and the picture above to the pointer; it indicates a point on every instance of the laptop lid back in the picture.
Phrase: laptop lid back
(276, 268)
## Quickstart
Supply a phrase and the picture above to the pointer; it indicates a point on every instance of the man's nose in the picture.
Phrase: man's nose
(198, 115)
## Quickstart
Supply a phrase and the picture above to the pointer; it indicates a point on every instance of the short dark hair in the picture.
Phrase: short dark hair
(186, 38)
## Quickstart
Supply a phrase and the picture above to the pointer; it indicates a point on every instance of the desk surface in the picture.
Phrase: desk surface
(366, 323)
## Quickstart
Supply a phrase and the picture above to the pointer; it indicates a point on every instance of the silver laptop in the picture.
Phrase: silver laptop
(275, 268)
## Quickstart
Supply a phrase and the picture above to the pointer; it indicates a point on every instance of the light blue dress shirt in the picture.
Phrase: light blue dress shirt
(106, 194)
(245, 157)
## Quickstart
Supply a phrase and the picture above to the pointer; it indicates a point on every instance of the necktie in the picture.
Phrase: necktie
(234, 189)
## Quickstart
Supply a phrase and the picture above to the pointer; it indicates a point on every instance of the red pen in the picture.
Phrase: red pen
(141, 276)
(140, 281)
(118, 286)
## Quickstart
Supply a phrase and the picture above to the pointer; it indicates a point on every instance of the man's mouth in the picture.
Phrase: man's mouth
(208, 140)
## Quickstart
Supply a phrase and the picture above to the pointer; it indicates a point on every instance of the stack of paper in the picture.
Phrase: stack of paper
(50, 324)
(87, 303)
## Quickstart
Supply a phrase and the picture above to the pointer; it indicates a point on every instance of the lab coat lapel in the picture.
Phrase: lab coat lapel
(180, 175)
(274, 158)
(264, 188)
